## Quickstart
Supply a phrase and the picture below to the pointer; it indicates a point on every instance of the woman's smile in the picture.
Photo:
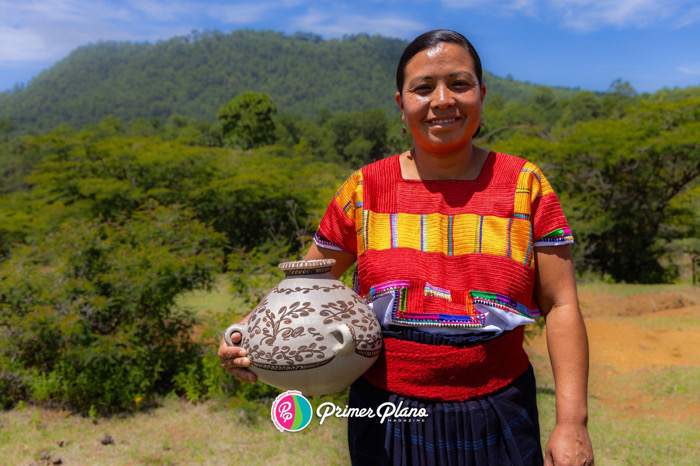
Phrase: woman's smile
(443, 121)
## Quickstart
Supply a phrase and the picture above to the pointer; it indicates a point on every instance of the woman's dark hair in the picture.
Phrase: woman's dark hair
(429, 40)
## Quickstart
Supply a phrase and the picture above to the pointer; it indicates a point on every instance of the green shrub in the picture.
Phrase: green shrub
(13, 386)
(89, 312)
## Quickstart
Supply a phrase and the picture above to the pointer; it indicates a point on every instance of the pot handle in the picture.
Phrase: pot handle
(230, 331)
(346, 343)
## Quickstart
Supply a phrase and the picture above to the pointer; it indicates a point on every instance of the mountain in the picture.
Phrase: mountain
(194, 75)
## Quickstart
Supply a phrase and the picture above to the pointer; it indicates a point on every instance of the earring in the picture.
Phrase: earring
(403, 129)
(481, 123)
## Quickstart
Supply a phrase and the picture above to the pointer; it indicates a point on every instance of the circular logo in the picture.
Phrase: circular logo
(291, 411)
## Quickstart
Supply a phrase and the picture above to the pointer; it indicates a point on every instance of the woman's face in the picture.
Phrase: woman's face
(441, 99)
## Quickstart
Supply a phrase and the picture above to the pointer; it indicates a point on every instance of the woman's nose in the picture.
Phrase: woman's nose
(443, 97)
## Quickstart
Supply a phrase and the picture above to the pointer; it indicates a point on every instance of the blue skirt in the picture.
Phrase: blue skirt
(501, 428)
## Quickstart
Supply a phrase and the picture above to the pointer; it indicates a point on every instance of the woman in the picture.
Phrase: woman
(456, 248)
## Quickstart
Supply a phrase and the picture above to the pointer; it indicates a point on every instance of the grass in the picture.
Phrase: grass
(624, 440)
(218, 301)
(674, 382)
(624, 289)
(176, 433)
(678, 322)
(642, 417)
(217, 432)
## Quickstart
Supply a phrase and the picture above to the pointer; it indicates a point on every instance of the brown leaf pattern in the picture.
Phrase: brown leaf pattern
(271, 333)
(312, 354)
(363, 324)
(305, 290)
(273, 324)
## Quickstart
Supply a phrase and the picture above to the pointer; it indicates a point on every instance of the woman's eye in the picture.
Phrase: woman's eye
(423, 88)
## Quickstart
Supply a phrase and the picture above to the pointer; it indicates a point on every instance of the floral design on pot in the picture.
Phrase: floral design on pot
(311, 332)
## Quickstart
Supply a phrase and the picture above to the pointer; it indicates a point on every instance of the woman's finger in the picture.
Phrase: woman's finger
(243, 374)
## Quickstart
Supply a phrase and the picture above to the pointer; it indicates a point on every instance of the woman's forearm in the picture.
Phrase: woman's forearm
(567, 341)
(568, 351)
(555, 289)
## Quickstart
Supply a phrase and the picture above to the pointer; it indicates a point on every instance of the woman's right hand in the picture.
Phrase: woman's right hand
(234, 360)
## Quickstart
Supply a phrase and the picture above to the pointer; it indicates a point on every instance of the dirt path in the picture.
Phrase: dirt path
(634, 339)
(662, 339)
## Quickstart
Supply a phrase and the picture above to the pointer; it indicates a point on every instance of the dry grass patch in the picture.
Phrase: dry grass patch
(644, 388)
(219, 300)
(176, 433)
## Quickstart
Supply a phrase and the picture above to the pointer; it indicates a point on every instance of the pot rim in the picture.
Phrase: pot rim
(307, 267)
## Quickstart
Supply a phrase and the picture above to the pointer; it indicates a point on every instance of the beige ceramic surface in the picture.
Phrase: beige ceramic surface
(311, 333)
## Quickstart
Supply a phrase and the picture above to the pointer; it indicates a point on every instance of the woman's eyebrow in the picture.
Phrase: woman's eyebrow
(452, 75)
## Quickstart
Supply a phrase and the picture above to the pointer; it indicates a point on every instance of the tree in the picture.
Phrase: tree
(546, 105)
(622, 88)
(248, 120)
(618, 178)
(544, 98)
(583, 106)
(360, 137)
(619, 96)
(6, 127)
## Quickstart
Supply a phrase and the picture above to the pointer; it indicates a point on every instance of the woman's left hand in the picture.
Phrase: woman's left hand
(569, 444)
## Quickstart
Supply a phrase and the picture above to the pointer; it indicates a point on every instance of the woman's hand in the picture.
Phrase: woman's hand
(569, 444)
(234, 360)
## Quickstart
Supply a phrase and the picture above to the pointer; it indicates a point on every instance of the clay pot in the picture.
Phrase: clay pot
(311, 333)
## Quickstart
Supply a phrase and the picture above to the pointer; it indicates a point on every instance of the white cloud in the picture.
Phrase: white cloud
(332, 24)
(506, 4)
(46, 30)
(530, 8)
(33, 47)
(690, 17)
(467, 4)
(41, 29)
(248, 12)
(590, 15)
(240, 14)
(157, 10)
(690, 70)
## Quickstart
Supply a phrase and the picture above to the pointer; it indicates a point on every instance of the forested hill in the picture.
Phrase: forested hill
(194, 75)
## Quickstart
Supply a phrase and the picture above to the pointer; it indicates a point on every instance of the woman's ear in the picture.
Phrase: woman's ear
(399, 102)
(483, 93)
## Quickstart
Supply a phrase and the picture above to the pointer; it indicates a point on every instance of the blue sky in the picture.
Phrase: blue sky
(575, 43)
